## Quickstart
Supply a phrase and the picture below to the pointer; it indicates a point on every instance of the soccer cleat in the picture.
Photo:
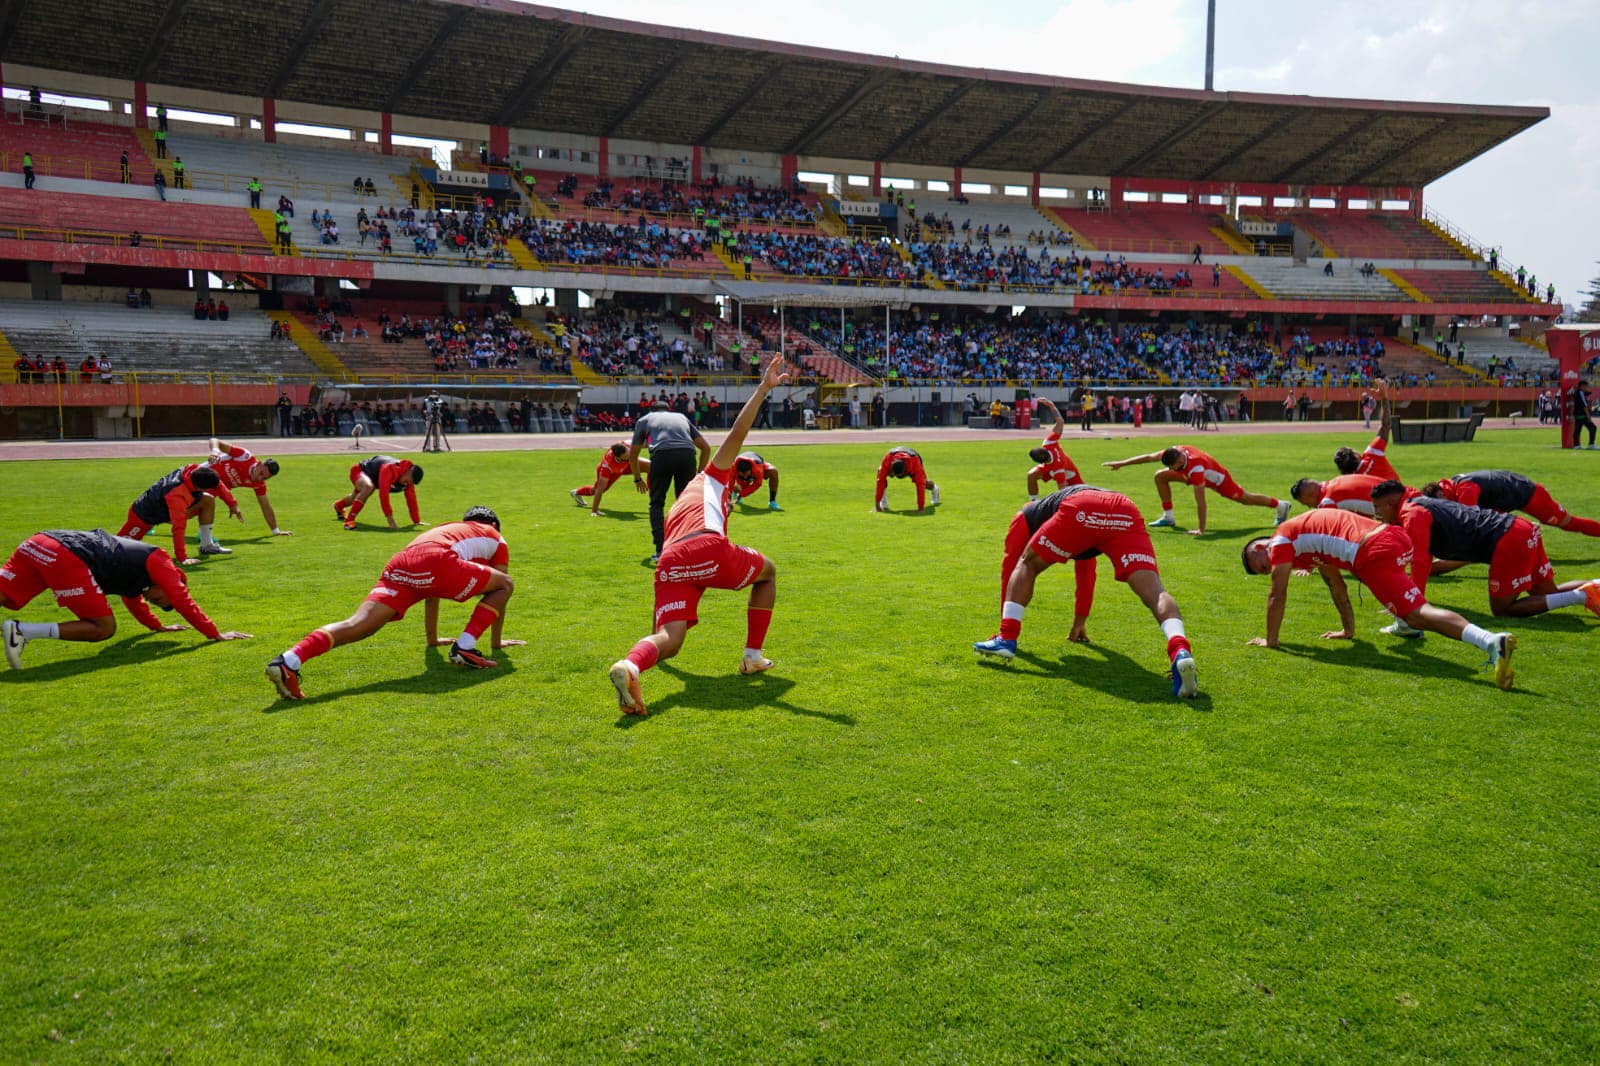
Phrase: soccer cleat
(350, 525)
(285, 680)
(655, 560)
(1164, 522)
(471, 657)
(1282, 512)
(1400, 629)
(1500, 659)
(998, 647)
(214, 549)
(1591, 596)
(11, 635)
(755, 664)
(575, 497)
(338, 509)
(1185, 676)
(772, 505)
(625, 678)
(933, 492)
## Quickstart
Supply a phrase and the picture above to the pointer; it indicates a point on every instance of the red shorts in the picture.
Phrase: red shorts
(41, 563)
(1380, 564)
(1228, 489)
(1544, 509)
(690, 566)
(426, 573)
(135, 527)
(356, 474)
(1105, 521)
(1519, 561)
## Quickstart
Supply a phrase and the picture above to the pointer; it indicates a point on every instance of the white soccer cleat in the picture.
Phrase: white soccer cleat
(575, 497)
(625, 679)
(1185, 676)
(755, 664)
(1400, 629)
(214, 549)
(1282, 512)
(11, 636)
(935, 495)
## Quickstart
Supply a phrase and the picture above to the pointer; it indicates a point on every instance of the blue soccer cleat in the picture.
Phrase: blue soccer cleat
(1164, 522)
(772, 505)
(998, 647)
(1185, 676)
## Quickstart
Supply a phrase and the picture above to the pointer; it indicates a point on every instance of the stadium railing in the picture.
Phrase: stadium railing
(77, 236)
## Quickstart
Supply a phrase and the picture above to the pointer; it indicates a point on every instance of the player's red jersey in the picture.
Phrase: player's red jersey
(1349, 492)
(611, 468)
(1375, 462)
(1326, 536)
(233, 469)
(383, 471)
(1201, 469)
(454, 561)
(1058, 468)
(703, 505)
(914, 471)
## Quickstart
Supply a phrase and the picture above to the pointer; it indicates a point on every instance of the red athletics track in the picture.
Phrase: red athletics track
(180, 447)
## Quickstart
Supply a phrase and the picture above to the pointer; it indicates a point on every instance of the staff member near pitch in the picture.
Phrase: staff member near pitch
(677, 453)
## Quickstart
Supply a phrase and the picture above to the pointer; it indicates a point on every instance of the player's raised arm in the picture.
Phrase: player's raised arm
(1385, 408)
(1133, 460)
(1061, 419)
(733, 443)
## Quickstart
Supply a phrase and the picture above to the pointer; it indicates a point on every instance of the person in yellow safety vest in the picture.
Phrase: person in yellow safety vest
(255, 192)
(27, 170)
(177, 172)
(161, 144)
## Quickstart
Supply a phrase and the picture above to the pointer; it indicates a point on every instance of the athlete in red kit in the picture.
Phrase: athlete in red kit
(1348, 492)
(238, 469)
(1053, 464)
(697, 555)
(456, 561)
(187, 492)
(767, 474)
(1194, 467)
(1506, 490)
(614, 466)
(381, 474)
(1375, 460)
(1333, 542)
(900, 463)
(1081, 523)
(82, 568)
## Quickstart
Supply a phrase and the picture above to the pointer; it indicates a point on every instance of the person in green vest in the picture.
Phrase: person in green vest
(161, 144)
(734, 351)
(161, 118)
(177, 172)
(755, 364)
(27, 170)
(710, 329)
(749, 264)
(254, 187)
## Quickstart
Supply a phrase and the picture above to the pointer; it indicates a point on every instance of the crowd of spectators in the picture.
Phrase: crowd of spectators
(742, 200)
(648, 245)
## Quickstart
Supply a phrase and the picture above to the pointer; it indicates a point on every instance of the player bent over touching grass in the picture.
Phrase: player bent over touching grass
(1332, 541)
(458, 560)
(1521, 579)
(903, 463)
(238, 469)
(1187, 464)
(1081, 523)
(1347, 492)
(1505, 490)
(1053, 464)
(765, 472)
(614, 466)
(697, 555)
(381, 474)
(83, 567)
(183, 494)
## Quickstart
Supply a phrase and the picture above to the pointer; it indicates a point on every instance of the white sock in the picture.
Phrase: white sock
(1012, 611)
(1479, 637)
(1166, 512)
(205, 535)
(1173, 627)
(39, 630)
(466, 642)
(291, 660)
(1573, 598)
(753, 653)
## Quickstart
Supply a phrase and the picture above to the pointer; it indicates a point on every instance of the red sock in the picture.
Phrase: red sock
(644, 655)
(482, 618)
(1587, 526)
(313, 644)
(587, 490)
(1010, 628)
(1177, 644)
(757, 619)
(355, 509)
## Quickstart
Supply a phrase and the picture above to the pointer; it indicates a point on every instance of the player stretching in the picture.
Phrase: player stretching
(903, 462)
(697, 555)
(1348, 492)
(1330, 541)
(458, 560)
(1187, 464)
(614, 466)
(766, 472)
(1375, 460)
(1521, 580)
(83, 567)
(184, 493)
(1053, 464)
(382, 474)
(1080, 523)
(238, 469)
(1504, 490)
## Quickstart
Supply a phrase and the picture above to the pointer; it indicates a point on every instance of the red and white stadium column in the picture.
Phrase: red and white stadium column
(696, 155)
(788, 170)
(269, 120)
(604, 156)
(141, 105)
(499, 143)
(877, 179)
(1033, 190)
(386, 133)
(955, 182)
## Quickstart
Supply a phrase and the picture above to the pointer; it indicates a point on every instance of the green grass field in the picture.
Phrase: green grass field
(883, 850)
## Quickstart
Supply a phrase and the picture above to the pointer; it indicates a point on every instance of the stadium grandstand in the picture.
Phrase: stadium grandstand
(521, 196)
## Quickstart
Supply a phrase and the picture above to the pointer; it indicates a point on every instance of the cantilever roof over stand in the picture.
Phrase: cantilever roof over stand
(499, 62)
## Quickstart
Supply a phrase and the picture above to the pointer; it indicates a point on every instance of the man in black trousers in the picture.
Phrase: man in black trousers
(677, 453)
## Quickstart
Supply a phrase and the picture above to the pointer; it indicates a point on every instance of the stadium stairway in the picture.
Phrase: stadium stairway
(1462, 286)
(931, 280)
(1250, 283)
(1403, 285)
(1233, 240)
(309, 343)
(1052, 216)
(520, 255)
(8, 357)
(266, 222)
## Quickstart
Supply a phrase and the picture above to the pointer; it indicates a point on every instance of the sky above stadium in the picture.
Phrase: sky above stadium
(1537, 197)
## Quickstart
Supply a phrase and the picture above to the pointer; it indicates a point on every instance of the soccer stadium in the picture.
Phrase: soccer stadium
(549, 324)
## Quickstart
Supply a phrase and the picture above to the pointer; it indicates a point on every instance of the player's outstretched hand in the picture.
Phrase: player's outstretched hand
(237, 514)
(1338, 634)
(191, 561)
(509, 643)
(283, 532)
(640, 487)
(441, 642)
(1260, 642)
(176, 627)
(233, 634)
(1113, 465)
(1079, 634)
(1197, 532)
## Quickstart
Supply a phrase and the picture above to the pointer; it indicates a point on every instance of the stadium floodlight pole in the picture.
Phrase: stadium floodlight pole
(1211, 40)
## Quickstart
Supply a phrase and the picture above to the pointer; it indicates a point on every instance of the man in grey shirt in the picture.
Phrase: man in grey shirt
(677, 453)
